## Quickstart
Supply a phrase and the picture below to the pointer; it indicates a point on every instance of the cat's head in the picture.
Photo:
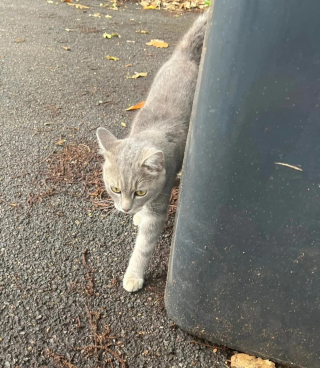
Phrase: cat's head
(133, 171)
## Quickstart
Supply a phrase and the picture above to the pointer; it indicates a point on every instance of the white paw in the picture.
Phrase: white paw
(136, 219)
(131, 283)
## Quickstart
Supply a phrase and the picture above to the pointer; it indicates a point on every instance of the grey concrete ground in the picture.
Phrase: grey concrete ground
(47, 94)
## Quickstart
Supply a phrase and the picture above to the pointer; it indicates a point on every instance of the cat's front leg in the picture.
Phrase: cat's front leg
(136, 219)
(150, 228)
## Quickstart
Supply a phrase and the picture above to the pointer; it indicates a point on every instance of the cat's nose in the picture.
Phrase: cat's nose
(126, 204)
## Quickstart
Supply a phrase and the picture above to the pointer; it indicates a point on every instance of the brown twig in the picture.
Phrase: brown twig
(93, 325)
(98, 339)
(85, 262)
(156, 301)
(110, 361)
(46, 158)
(90, 283)
(201, 343)
(106, 348)
(60, 359)
(8, 203)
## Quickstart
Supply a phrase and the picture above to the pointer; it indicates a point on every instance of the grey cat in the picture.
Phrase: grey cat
(140, 170)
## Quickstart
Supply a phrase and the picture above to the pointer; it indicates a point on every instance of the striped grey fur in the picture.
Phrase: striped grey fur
(151, 156)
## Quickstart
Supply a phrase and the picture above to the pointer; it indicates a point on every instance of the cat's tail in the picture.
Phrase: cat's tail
(192, 41)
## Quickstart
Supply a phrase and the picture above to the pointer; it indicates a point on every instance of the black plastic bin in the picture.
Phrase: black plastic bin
(245, 261)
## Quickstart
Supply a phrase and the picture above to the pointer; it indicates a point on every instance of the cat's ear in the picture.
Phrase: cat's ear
(153, 160)
(105, 139)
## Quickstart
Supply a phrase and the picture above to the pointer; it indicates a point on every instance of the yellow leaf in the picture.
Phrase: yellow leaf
(60, 142)
(143, 32)
(136, 107)
(137, 75)
(247, 361)
(112, 58)
(108, 16)
(108, 35)
(157, 43)
(67, 48)
(95, 15)
(149, 7)
(79, 6)
(124, 125)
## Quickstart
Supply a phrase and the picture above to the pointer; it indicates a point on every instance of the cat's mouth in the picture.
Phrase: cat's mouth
(130, 212)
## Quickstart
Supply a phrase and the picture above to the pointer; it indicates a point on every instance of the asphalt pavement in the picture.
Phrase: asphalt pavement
(61, 260)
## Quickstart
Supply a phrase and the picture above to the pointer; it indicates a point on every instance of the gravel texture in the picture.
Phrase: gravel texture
(49, 94)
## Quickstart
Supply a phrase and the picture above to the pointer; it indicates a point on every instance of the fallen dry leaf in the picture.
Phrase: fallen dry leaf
(19, 40)
(60, 142)
(157, 43)
(108, 35)
(247, 361)
(112, 58)
(143, 32)
(67, 48)
(149, 7)
(79, 6)
(136, 107)
(66, 1)
(174, 4)
(95, 15)
(113, 7)
(127, 65)
(138, 75)
(69, 29)
(108, 16)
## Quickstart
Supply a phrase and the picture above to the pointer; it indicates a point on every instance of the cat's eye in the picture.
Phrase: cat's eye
(140, 193)
(115, 190)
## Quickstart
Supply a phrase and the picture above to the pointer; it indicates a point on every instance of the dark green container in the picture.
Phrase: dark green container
(245, 261)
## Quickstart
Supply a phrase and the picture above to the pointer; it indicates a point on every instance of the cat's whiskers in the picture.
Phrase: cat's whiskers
(164, 194)
(150, 210)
